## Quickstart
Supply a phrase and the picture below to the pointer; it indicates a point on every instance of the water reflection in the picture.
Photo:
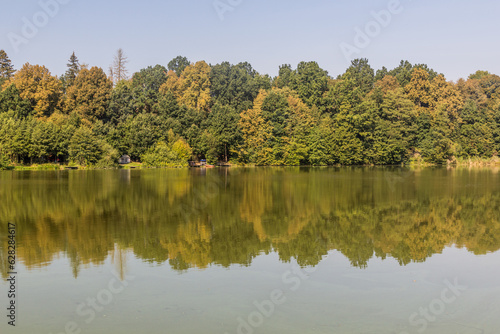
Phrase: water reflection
(199, 217)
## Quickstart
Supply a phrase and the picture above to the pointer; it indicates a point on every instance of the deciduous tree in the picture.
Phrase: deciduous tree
(89, 95)
(39, 87)
(362, 74)
(178, 64)
(192, 88)
(419, 88)
(146, 86)
(84, 149)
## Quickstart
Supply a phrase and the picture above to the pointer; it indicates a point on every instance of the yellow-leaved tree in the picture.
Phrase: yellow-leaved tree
(39, 87)
(447, 98)
(388, 83)
(419, 88)
(192, 87)
(255, 133)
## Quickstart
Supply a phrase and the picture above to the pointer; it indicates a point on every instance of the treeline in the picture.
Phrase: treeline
(166, 115)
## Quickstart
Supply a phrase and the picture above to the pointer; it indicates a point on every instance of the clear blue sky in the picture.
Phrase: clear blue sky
(454, 37)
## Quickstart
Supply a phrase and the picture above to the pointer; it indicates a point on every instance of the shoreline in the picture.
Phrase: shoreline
(471, 162)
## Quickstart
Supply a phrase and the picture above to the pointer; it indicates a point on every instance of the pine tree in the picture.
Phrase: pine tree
(73, 70)
(6, 67)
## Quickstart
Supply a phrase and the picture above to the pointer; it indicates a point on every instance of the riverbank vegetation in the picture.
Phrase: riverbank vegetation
(226, 112)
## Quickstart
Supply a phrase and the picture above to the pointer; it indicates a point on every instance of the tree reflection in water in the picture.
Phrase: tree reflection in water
(180, 217)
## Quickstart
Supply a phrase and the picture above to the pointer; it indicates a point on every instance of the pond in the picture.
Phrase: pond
(252, 250)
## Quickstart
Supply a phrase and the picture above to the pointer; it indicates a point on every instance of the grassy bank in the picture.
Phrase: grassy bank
(37, 167)
(475, 162)
(413, 163)
(52, 167)
(133, 165)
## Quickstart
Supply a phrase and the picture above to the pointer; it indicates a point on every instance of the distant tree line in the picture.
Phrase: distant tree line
(225, 112)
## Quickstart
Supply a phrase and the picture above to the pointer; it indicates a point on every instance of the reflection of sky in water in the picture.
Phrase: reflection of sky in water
(334, 298)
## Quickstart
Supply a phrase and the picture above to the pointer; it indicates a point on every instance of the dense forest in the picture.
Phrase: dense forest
(164, 116)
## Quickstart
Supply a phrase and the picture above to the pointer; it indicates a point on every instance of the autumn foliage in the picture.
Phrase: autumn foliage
(232, 113)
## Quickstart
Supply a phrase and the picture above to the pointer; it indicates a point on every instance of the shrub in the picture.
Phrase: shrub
(4, 161)
(164, 155)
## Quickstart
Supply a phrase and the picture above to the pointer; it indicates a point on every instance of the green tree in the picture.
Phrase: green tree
(7, 130)
(89, 95)
(69, 77)
(6, 68)
(121, 103)
(393, 128)
(83, 148)
(109, 155)
(168, 106)
(10, 100)
(276, 110)
(476, 133)
(178, 64)
(343, 95)
(286, 76)
(310, 82)
(290, 121)
(224, 128)
(362, 74)
(65, 128)
(402, 73)
(142, 132)
(490, 85)
(478, 75)
(174, 153)
(434, 134)
(381, 73)
(4, 160)
(146, 86)
(191, 125)
(234, 85)
(21, 139)
(43, 142)
(320, 140)
(347, 145)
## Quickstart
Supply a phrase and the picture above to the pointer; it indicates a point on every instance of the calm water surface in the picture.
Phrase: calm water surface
(265, 250)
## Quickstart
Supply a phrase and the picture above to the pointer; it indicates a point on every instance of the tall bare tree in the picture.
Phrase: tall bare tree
(119, 69)
(111, 75)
